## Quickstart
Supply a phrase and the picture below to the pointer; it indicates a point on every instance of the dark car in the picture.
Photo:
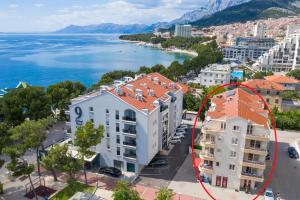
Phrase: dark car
(112, 171)
(159, 162)
(293, 153)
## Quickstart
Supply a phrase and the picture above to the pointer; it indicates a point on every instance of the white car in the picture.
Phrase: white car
(181, 132)
(269, 194)
(179, 135)
(183, 126)
(180, 129)
(174, 141)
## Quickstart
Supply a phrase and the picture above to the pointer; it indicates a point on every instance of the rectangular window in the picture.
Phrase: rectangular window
(108, 144)
(91, 109)
(268, 91)
(234, 141)
(92, 120)
(117, 127)
(107, 122)
(276, 101)
(231, 167)
(117, 115)
(107, 111)
(118, 139)
(233, 154)
(217, 164)
(118, 151)
(249, 129)
(223, 125)
(236, 128)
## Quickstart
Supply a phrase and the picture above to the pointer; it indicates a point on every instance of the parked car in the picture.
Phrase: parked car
(177, 137)
(293, 153)
(112, 171)
(180, 131)
(269, 194)
(174, 141)
(180, 135)
(183, 126)
(158, 162)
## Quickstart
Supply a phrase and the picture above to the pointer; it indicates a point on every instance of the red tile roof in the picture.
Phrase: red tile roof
(153, 83)
(263, 84)
(282, 79)
(238, 103)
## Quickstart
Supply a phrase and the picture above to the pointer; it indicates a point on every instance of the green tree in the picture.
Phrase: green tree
(176, 70)
(294, 73)
(144, 69)
(290, 95)
(30, 102)
(123, 191)
(261, 75)
(61, 94)
(164, 194)
(86, 137)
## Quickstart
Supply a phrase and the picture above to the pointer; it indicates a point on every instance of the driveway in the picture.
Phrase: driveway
(161, 177)
(286, 177)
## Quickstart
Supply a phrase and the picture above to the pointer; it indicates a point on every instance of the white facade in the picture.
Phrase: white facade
(260, 30)
(133, 135)
(214, 75)
(233, 146)
(283, 57)
(183, 30)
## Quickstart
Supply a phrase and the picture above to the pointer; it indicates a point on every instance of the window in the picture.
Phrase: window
(217, 164)
(107, 111)
(107, 122)
(108, 144)
(118, 151)
(236, 128)
(234, 141)
(118, 139)
(268, 91)
(277, 93)
(276, 101)
(91, 109)
(249, 129)
(233, 154)
(268, 100)
(258, 91)
(223, 125)
(117, 115)
(92, 120)
(231, 167)
(117, 127)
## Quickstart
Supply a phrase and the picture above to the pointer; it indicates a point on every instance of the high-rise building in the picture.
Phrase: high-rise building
(260, 30)
(183, 30)
(139, 117)
(283, 57)
(234, 143)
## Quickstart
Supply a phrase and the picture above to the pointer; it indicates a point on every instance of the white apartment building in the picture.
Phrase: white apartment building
(260, 30)
(139, 117)
(215, 74)
(234, 141)
(183, 30)
(283, 57)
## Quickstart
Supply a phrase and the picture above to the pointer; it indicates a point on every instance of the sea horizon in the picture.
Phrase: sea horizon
(42, 59)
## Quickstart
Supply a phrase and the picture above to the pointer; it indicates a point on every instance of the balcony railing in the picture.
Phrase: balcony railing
(130, 143)
(251, 174)
(211, 155)
(129, 155)
(255, 148)
(131, 119)
(130, 131)
(254, 162)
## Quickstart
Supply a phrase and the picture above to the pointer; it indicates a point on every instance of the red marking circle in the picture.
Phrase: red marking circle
(272, 123)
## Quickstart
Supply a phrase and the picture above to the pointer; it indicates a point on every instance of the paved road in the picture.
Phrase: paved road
(286, 177)
(161, 177)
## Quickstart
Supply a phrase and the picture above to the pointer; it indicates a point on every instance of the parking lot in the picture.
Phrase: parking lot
(161, 176)
(286, 177)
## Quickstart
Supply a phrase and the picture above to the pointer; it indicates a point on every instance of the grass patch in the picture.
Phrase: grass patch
(71, 189)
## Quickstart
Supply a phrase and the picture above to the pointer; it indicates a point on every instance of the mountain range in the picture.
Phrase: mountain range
(216, 12)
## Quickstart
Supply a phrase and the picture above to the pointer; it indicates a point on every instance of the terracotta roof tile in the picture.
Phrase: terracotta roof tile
(281, 79)
(240, 103)
(152, 87)
(263, 84)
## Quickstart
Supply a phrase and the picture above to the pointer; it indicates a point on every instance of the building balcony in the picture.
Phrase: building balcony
(129, 132)
(206, 169)
(131, 144)
(130, 120)
(208, 143)
(207, 156)
(130, 156)
(255, 150)
(254, 164)
(206, 130)
(257, 137)
(252, 177)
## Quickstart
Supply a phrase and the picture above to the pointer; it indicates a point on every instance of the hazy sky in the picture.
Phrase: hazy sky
(49, 15)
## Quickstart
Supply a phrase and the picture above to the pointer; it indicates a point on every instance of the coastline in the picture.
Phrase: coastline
(158, 46)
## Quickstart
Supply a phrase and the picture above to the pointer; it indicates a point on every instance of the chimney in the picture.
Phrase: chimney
(172, 85)
(119, 91)
(150, 92)
(156, 80)
(164, 85)
(130, 87)
(139, 97)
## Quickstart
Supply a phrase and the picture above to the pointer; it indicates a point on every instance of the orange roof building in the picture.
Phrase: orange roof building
(235, 138)
(289, 83)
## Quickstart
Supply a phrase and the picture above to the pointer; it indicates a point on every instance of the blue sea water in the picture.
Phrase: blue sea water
(42, 60)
